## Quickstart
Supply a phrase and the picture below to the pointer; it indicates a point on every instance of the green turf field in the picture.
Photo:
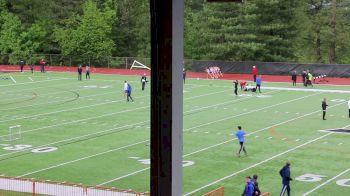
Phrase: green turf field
(103, 140)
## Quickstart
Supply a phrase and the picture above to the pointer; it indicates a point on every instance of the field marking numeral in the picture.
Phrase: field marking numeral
(44, 149)
(310, 178)
(338, 100)
(344, 182)
(26, 146)
(17, 147)
(317, 178)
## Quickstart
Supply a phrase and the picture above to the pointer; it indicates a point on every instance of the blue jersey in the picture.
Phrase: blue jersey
(258, 80)
(240, 135)
(129, 88)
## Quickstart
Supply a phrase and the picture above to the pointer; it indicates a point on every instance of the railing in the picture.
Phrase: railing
(9, 185)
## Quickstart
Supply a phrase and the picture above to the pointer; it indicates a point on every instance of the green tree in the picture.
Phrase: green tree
(88, 35)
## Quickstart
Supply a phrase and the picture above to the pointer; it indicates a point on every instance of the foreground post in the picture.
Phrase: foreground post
(166, 99)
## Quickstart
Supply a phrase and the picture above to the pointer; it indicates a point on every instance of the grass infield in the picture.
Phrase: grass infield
(86, 132)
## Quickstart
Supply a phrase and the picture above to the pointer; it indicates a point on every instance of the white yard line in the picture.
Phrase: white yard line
(57, 142)
(257, 164)
(325, 183)
(256, 110)
(109, 114)
(72, 109)
(30, 82)
(75, 138)
(87, 157)
(59, 101)
(13, 80)
(219, 144)
(184, 130)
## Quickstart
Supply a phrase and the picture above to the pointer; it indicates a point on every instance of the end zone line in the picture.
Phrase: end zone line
(219, 144)
(328, 181)
(257, 164)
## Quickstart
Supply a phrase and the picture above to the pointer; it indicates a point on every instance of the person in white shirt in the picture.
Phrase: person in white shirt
(349, 107)
(125, 88)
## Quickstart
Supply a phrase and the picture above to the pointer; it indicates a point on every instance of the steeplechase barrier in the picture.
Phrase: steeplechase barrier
(11, 185)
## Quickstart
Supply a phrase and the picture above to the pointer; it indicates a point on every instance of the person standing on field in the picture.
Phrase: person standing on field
(254, 72)
(32, 67)
(129, 93)
(304, 75)
(21, 65)
(249, 187)
(294, 78)
(143, 81)
(184, 75)
(241, 138)
(80, 70)
(349, 107)
(42, 65)
(285, 174)
(236, 86)
(87, 72)
(258, 83)
(324, 108)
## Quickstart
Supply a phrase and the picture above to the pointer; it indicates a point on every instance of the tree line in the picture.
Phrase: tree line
(304, 31)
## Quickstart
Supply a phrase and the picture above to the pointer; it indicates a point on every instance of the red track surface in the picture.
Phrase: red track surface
(248, 77)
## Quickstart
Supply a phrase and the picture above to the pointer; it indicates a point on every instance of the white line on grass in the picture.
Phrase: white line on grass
(13, 80)
(256, 110)
(148, 140)
(68, 140)
(264, 161)
(77, 108)
(109, 114)
(225, 142)
(328, 181)
(87, 157)
(257, 164)
(30, 82)
(57, 142)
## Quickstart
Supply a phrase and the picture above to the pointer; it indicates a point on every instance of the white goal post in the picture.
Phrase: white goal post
(137, 64)
(14, 133)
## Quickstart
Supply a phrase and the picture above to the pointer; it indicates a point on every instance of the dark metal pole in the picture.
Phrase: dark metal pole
(166, 99)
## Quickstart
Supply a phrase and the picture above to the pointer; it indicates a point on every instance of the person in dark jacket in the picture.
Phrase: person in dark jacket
(184, 75)
(32, 67)
(256, 185)
(143, 81)
(285, 174)
(324, 108)
(80, 70)
(249, 187)
(304, 78)
(294, 78)
(21, 65)
(236, 86)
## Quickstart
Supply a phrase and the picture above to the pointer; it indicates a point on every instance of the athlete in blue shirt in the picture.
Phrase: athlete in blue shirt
(240, 135)
(129, 89)
(258, 83)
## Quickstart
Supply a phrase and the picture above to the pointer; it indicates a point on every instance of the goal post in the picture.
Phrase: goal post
(137, 64)
(14, 133)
